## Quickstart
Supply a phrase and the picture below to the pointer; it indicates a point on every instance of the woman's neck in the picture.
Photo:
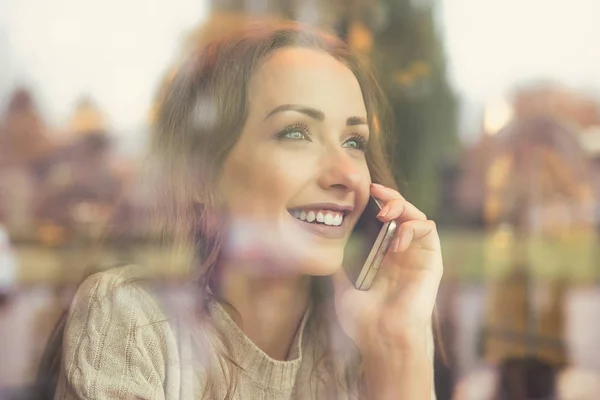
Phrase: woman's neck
(268, 308)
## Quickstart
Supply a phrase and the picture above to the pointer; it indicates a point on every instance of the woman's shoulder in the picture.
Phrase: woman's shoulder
(120, 301)
(117, 291)
(116, 336)
(113, 278)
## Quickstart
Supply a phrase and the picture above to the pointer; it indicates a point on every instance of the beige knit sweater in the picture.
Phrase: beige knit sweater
(127, 340)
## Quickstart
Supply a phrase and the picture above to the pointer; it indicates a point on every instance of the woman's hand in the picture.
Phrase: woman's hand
(391, 322)
(396, 311)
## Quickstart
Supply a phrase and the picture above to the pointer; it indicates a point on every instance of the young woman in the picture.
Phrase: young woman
(269, 141)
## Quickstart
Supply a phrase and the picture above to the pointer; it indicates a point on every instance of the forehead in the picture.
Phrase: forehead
(308, 77)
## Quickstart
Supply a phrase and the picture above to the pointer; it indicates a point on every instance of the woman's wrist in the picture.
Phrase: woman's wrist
(402, 351)
(410, 341)
(398, 369)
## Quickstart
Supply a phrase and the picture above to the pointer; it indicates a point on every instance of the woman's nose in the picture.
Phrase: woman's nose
(341, 171)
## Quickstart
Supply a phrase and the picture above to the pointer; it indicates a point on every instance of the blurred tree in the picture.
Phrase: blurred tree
(409, 56)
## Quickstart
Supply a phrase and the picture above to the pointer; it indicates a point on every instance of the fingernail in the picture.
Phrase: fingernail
(376, 185)
(383, 211)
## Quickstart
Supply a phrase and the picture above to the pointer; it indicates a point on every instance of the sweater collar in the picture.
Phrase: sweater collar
(255, 363)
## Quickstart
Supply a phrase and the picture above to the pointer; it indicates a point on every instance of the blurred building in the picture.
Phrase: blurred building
(77, 188)
(538, 209)
(23, 141)
(579, 113)
(42, 180)
(529, 186)
(581, 110)
(86, 118)
(23, 136)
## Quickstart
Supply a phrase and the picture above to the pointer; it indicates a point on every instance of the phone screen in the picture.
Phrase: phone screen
(362, 240)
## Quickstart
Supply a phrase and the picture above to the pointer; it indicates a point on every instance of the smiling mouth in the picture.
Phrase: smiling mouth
(320, 217)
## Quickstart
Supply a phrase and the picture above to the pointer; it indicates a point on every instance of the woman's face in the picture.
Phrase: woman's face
(297, 180)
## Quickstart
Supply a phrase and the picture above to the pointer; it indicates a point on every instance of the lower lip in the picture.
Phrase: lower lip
(326, 231)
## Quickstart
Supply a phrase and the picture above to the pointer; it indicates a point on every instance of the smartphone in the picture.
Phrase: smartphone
(368, 244)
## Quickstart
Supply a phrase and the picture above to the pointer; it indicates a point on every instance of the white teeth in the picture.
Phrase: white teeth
(320, 217)
(324, 217)
(328, 219)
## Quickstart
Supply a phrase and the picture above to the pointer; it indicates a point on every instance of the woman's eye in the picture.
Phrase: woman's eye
(296, 135)
(295, 132)
(358, 143)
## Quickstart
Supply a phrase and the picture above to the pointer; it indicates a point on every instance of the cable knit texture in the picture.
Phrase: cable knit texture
(125, 339)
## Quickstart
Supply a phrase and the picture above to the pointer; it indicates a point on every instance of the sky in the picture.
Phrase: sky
(493, 45)
(113, 49)
(118, 50)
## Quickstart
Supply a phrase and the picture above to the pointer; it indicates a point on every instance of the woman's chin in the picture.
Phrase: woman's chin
(321, 265)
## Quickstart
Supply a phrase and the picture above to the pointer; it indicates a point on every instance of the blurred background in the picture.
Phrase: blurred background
(497, 108)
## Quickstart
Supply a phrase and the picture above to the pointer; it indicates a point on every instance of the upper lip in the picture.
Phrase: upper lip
(346, 209)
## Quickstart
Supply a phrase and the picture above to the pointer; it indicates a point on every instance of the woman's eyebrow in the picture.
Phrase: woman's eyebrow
(311, 112)
(352, 121)
(314, 113)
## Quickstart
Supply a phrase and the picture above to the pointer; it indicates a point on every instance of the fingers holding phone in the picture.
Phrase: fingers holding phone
(410, 273)
(394, 205)
(397, 292)
(412, 223)
(389, 223)
(367, 246)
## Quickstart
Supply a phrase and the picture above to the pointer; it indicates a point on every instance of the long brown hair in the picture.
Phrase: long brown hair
(199, 117)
